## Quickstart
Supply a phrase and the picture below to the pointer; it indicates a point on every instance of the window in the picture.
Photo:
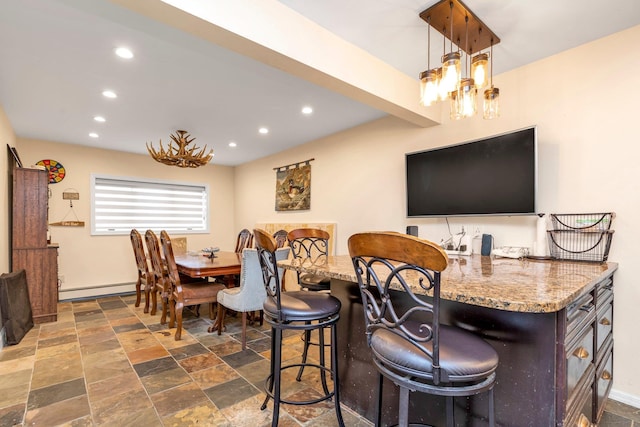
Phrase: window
(120, 204)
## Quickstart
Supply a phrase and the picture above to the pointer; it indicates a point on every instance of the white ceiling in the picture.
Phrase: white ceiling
(57, 57)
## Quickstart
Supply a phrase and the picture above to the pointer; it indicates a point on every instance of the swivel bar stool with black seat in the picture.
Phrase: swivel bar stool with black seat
(410, 346)
(310, 246)
(297, 310)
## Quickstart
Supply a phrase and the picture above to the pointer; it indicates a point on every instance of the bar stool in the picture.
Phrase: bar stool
(310, 246)
(299, 310)
(409, 346)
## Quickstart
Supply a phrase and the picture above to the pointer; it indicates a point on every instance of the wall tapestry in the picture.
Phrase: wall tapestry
(293, 186)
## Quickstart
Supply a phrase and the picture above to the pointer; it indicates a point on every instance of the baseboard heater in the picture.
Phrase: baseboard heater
(96, 291)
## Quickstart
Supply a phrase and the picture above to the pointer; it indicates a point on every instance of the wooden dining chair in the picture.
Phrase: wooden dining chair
(184, 294)
(158, 275)
(142, 266)
(281, 238)
(245, 240)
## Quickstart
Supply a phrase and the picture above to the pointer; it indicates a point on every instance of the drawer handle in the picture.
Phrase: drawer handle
(605, 321)
(581, 353)
(583, 421)
(587, 307)
(606, 375)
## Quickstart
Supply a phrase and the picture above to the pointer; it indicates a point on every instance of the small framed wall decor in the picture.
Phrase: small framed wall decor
(293, 187)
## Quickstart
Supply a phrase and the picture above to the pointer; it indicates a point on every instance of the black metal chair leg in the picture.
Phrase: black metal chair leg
(305, 352)
(276, 376)
(450, 413)
(334, 371)
(492, 413)
(403, 408)
(269, 381)
(378, 414)
(323, 373)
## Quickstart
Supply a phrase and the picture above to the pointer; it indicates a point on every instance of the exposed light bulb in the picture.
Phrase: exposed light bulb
(450, 71)
(124, 53)
(428, 87)
(480, 70)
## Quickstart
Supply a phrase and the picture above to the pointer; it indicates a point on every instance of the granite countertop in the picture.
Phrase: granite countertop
(535, 286)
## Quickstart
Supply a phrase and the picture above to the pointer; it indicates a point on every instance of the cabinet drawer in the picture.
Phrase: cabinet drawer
(604, 289)
(580, 357)
(580, 406)
(604, 379)
(579, 313)
(604, 325)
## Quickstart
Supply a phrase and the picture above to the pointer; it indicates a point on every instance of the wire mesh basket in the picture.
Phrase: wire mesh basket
(583, 222)
(577, 245)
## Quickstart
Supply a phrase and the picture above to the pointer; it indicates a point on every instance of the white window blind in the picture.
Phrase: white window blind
(120, 204)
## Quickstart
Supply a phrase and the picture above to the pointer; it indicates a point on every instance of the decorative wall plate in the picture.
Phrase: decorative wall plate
(55, 169)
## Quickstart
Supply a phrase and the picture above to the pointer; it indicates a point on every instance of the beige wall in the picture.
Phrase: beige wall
(87, 261)
(6, 137)
(588, 163)
(582, 102)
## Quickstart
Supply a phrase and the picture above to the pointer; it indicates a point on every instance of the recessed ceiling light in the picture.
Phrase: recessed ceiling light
(263, 131)
(307, 110)
(233, 144)
(124, 52)
(93, 135)
(99, 119)
(109, 94)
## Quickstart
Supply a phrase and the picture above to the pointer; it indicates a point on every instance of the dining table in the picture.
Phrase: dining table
(196, 265)
(224, 264)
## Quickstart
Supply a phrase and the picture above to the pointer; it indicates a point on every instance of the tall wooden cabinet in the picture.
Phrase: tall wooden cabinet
(29, 248)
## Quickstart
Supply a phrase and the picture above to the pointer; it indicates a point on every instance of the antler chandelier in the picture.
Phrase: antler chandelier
(182, 156)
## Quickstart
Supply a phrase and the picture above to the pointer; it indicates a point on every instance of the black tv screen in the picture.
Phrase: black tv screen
(491, 176)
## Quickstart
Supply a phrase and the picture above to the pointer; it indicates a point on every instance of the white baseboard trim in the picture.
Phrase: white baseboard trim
(97, 291)
(626, 398)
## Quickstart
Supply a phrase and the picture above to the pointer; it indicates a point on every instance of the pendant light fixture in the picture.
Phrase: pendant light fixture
(429, 78)
(448, 17)
(463, 104)
(450, 62)
(480, 70)
(491, 97)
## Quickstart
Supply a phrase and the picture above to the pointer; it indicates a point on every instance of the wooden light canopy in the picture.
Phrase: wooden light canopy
(480, 36)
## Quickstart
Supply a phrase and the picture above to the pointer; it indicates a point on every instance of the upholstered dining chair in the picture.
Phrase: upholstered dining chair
(184, 294)
(142, 266)
(250, 295)
(245, 240)
(409, 345)
(158, 275)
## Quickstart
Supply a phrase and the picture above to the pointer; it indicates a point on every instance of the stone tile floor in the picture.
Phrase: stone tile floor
(106, 363)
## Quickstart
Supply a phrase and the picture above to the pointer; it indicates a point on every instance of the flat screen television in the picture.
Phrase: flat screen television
(490, 176)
